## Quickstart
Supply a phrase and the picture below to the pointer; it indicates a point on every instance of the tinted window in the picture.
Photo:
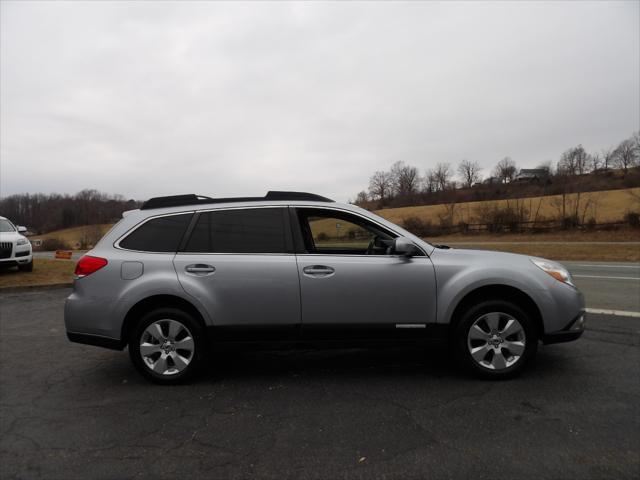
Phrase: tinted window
(161, 234)
(259, 230)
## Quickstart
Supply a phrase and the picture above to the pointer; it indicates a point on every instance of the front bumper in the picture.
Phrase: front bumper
(572, 331)
(19, 255)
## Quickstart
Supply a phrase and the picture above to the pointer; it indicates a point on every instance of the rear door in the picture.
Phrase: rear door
(239, 263)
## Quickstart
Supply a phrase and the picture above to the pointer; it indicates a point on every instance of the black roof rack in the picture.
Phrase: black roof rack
(192, 199)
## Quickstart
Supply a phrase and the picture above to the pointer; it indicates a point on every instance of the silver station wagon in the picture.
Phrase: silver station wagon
(185, 274)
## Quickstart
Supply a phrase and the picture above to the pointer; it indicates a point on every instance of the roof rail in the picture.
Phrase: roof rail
(192, 199)
(300, 196)
(174, 201)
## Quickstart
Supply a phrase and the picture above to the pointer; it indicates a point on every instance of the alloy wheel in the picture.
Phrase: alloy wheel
(496, 341)
(167, 347)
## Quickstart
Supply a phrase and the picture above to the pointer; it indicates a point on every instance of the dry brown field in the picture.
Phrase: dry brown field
(603, 206)
(45, 272)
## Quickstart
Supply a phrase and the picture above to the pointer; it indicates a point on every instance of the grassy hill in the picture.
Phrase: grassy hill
(76, 237)
(602, 206)
(599, 207)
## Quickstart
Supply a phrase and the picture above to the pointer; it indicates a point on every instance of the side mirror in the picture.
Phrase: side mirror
(22, 229)
(404, 246)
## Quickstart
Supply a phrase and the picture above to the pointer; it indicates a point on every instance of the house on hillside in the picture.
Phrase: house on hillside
(538, 175)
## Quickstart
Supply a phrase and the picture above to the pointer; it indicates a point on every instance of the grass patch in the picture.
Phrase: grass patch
(45, 272)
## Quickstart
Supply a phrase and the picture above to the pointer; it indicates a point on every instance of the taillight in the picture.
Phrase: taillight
(88, 264)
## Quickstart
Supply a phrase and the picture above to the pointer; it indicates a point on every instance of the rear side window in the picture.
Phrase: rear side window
(162, 234)
(258, 230)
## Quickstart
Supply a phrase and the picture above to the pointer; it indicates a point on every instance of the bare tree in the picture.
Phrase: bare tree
(626, 155)
(381, 185)
(442, 174)
(506, 170)
(574, 161)
(582, 160)
(361, 198)
(595, 162)
(607, 158)
(469, 171)
(45, 213)
(405, 179)
(429, 182)
(447, 218)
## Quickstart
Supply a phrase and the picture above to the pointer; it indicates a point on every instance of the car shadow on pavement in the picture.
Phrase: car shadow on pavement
(346, 362)
(413, 363)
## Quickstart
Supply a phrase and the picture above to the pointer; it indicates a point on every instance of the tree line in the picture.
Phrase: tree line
(42, 213)
(403, 184)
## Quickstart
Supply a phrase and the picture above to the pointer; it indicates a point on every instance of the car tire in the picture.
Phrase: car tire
(26, 267)
(495, 339)
(168, 346)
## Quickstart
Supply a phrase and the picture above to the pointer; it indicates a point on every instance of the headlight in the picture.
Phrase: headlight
(556, 271)
(22, 241)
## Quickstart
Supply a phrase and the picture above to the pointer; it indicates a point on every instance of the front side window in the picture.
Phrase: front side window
(250, 230)
(162, 234)
(331, 232)
(6, 226)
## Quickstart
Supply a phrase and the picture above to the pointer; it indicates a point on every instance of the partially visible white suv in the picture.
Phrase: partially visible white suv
(15, 248)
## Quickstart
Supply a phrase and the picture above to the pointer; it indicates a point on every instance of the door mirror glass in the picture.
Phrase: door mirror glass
(404, 246)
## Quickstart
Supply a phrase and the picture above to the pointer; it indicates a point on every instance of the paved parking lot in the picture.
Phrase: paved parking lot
(71, 411)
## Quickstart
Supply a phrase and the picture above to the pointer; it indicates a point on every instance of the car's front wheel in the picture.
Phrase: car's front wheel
(167, 346)
(495, 339)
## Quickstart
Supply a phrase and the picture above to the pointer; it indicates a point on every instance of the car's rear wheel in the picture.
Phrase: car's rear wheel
(167, 346)
(495, 339)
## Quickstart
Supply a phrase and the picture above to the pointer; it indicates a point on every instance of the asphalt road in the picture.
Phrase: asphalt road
(70, 411)
(608, 285)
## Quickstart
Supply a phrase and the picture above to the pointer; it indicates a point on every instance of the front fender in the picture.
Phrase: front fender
(456, 288)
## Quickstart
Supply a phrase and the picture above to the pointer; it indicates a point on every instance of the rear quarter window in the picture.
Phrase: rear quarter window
(162, 234)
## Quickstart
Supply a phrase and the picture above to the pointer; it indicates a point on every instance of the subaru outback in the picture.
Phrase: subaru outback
(184, 274)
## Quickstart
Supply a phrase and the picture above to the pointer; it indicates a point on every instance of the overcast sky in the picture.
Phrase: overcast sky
(153, 98)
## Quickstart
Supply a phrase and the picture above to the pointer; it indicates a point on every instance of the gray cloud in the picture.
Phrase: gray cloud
(144, 98)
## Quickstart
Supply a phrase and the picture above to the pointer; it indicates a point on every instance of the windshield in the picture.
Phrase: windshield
(6, 226)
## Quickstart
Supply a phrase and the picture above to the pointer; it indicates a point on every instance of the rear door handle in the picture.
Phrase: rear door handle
(200, 269)
(318, 270)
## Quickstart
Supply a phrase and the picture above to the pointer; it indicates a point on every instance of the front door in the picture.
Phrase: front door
(352, 283)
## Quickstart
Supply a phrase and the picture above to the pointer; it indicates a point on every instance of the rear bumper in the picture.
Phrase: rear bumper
(571, 332)
(96, 340)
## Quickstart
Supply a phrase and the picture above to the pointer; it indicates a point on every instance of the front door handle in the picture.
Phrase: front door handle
(318, 270)
(200, 269)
